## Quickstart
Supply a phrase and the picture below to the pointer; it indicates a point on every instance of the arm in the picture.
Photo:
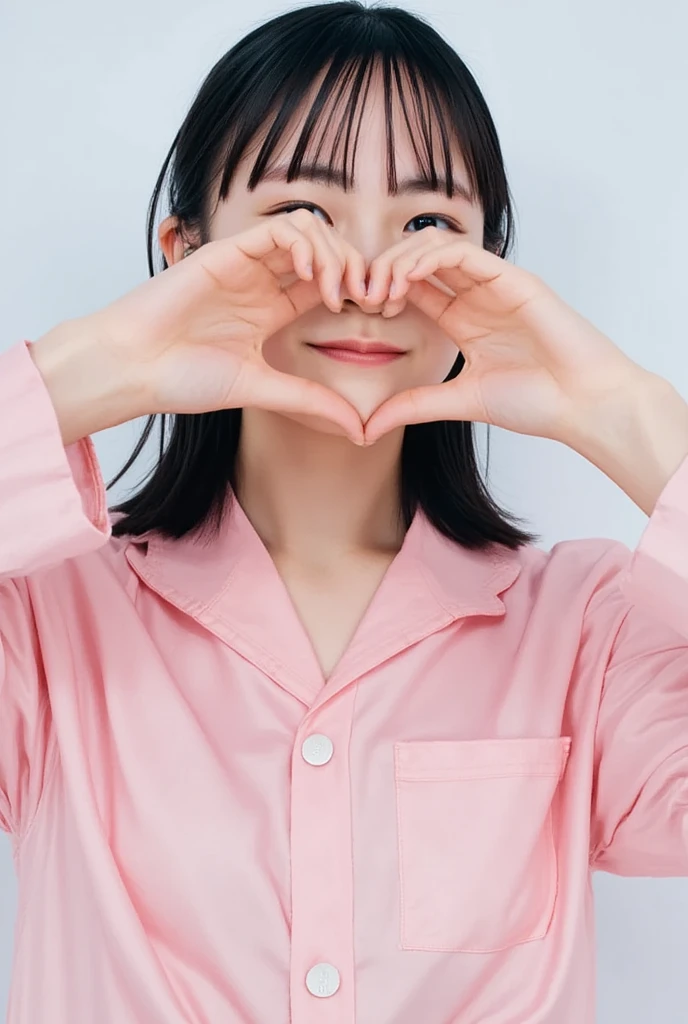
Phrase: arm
(52, 508)
(639, 808)
(87, 388)
(640, 796)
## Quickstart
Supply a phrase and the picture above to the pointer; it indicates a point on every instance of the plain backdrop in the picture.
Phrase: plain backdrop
(589, 97)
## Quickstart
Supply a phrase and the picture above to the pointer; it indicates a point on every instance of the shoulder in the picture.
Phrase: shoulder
(575, 575)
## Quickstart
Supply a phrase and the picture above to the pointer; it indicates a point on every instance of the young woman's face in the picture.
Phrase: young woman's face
(372, 220)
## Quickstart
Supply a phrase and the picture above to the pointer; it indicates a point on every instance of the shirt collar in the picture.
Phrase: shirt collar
(231, 585)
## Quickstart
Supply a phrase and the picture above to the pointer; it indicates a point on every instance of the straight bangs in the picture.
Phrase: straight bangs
(338, 107)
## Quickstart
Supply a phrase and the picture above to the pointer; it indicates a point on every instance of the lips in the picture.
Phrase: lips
(362, 346)
(371, 354)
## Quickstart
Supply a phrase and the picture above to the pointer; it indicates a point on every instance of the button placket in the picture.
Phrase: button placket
(321, 869)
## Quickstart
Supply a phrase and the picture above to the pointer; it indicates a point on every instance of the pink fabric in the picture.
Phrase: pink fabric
(502, 725)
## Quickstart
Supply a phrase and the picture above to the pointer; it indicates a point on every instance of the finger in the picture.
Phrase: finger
(436, 299)
(393, 307)
(351, 271)
(293, 241)
(279, 245)
(348, 264)
(354, 269)
(338, 259)
(297, 259)
(280, 232)
(283, 392)
(405, 265)
(432, 300)
(503, 285)
(331, 264)
(448, 401)
(352, 262)
(471, 263)
(324, 265)
(381, 267)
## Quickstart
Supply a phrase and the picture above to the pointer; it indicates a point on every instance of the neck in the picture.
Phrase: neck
(313, 496)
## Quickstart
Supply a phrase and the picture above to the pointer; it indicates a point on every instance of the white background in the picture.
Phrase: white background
(589, 97)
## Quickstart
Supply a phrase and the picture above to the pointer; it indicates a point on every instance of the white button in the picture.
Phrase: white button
(322, 980)
(317, 749)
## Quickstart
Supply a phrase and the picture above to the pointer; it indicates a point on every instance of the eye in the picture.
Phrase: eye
(309, 206)
(435, 216)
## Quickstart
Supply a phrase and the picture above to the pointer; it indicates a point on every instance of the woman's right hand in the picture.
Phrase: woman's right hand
(190, 338)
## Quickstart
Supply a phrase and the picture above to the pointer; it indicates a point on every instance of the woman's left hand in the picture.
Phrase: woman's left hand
(533, 364)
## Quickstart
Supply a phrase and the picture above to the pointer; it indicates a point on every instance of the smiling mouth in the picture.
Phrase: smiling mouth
(364, 351)
(373, 356)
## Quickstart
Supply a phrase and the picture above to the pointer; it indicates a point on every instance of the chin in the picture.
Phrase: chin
(316, 425)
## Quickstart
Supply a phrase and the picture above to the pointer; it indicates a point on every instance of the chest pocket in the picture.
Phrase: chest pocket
(477, 857)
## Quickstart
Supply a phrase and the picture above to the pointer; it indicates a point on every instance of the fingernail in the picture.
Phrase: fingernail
(392, 289)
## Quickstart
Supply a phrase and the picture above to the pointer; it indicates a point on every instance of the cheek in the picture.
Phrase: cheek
(439, 355)
(277, 352)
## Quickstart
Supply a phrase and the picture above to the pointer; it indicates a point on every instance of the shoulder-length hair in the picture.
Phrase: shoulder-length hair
(259, 84)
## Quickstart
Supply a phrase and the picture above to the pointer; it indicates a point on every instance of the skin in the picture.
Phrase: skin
(311, 494)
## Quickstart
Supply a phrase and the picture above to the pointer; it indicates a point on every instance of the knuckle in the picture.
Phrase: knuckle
(342, 256)
(353, 255)
(335, 241)
(408, 260)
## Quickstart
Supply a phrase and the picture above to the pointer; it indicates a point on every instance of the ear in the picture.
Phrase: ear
(171, 241)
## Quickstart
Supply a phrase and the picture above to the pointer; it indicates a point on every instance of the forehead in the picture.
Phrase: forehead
(368, 132)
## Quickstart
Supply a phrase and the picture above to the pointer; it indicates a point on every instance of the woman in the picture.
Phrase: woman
(306, 730)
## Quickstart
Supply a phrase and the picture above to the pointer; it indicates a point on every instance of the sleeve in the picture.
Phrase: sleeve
(639, 823)
(53, 507)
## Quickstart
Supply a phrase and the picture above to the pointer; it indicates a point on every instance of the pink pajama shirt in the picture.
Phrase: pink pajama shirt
(205, 831)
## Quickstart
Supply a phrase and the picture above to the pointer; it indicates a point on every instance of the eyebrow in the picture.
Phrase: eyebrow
(333, 176)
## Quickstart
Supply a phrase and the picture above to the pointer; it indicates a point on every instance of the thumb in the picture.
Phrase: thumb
(446, 401)
(283, 392)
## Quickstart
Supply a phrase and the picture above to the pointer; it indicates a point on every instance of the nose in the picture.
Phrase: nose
(352, 303)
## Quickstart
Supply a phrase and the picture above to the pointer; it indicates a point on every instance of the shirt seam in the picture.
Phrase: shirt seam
(49, 771)
(601, 846)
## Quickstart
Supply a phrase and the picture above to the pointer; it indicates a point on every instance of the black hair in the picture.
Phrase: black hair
(259, 85)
